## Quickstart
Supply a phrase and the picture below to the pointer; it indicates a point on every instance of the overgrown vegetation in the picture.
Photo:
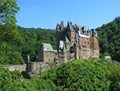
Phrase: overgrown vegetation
(10, 81)
(109, 38)
(33, 38)
(16, 45)
(108, 34)
(10, 39)
(80, 75)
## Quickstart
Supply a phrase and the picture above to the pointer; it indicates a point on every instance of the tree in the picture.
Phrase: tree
(33, 38)
(10, 38)
(109, 38)
(8, 9)
(8, 27)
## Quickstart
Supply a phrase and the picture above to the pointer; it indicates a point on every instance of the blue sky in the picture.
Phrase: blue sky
(47, 13)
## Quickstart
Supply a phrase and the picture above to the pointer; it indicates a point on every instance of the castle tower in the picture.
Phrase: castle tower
(76, 42)
(94, 44)
(71, 33)
(59, 34)
(72, 37)
(64, 55)
(77, 51)
(67, 43)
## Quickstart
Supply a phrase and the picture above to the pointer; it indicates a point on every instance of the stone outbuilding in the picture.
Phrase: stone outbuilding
(47, 54)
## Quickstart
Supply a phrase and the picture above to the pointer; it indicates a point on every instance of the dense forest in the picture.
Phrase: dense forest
(10, 39)
(109, 39)
(108, 35)
(33, 38)
(17, 42)
(80, 75)
(30, 40)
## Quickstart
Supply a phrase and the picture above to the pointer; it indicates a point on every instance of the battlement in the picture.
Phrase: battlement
(78, 40)
(73, 42)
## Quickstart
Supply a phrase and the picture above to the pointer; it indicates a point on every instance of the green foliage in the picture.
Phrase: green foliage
(33, 38)
(8, 55)
(13, 44)
(38, 84)
(8, 28)
(8, 9)
(106, 54)
(9, 81)
(80, 75)
(10, 39)
(109, 38)
(115, 79)
(90, 75)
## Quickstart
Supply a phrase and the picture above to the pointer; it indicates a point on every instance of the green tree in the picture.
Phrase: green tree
(109, 38)
(10, 39)
(33, 38)
(8, 27)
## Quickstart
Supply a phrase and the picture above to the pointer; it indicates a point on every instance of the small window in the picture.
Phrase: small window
(84, 46)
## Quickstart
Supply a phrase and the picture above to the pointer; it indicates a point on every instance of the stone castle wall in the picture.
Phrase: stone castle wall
(16, 67)
(36, 67)
(73, 42)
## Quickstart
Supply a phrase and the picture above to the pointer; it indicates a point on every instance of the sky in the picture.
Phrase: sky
(47, 13)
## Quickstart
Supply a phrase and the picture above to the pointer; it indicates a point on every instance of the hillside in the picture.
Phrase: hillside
(33, 38)
(109, 38)
(10, 39)
(80, 75)
(108, 34)
(16, 45)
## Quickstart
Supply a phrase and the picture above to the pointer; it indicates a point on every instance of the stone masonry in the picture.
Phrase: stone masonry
(76, 42)
(73, 42)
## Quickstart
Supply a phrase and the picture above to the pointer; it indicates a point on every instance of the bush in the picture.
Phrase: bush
(82, 75)
(8, 54)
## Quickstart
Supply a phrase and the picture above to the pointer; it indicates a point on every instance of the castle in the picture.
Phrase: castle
(73, 42)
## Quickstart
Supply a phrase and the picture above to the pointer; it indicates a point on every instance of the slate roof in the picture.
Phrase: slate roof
(47, 47)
